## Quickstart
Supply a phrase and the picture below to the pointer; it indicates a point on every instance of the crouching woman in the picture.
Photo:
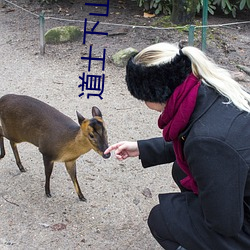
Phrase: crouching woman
(205, 120)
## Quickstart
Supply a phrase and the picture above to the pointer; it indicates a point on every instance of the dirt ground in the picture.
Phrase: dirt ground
(119, 195)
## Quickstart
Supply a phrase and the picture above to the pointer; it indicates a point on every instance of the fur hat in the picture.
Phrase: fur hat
(156, 83)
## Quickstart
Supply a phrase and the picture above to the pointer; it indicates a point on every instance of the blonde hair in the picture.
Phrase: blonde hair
(202, 67)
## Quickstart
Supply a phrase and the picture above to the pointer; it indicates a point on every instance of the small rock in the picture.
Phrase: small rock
(136, 201)
(239, 76)
(121, 58)
(44, 225)
(9, 243)
(63, 34)
(244, 68)
(147, 193)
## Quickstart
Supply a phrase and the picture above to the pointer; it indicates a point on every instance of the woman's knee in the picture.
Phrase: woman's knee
(159, 229)
(153, 218)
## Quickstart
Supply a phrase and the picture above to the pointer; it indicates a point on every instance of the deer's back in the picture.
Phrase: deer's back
(24, 118)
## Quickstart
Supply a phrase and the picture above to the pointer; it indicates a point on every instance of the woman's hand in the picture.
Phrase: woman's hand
(124, 149)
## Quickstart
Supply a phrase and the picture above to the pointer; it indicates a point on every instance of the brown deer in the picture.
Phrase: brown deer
(59, 138)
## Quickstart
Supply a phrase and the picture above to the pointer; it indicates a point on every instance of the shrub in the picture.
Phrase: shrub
(165, 6)
(156, 6)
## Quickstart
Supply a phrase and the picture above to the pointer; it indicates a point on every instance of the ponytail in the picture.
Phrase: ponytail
(218, 78)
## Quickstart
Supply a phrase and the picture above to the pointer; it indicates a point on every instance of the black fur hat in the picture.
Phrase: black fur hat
(156, 83)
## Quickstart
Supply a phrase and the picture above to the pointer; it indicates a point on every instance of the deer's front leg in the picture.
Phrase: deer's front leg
(48, 165)
(71, 168)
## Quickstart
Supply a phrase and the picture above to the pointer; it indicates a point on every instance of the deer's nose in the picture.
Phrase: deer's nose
(106, 156)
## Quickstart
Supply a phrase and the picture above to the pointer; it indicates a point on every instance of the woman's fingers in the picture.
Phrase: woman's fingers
(123, 149)
(113, 147)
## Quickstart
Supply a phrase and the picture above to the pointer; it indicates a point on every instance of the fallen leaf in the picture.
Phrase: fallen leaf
(148, 15)
(58, 227)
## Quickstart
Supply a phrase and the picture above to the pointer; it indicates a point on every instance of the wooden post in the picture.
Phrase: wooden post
(42, 31)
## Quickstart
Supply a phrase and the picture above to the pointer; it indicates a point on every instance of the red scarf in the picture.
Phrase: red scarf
(174, 119)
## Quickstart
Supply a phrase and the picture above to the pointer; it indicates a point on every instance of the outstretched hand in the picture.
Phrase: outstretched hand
(124, 150)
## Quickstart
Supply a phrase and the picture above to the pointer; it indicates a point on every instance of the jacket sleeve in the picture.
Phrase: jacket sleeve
(220, 173)
(155, 151)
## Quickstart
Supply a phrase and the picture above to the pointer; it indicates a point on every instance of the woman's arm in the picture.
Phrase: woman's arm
(151, 152)
(155, 151)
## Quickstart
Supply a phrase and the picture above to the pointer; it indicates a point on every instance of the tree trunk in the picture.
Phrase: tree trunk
(183, 11)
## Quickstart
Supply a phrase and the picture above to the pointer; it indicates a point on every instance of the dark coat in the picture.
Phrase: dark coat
(216, 145)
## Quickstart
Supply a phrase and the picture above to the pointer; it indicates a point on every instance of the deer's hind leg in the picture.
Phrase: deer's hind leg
(18, 161)
(1, 144)
(71, 168)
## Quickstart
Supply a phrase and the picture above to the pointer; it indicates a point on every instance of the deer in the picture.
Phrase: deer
(58, 137)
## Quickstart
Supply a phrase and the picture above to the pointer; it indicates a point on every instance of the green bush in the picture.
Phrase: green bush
(232, 6)
(156, 6)
(227, 6)
(211, 7)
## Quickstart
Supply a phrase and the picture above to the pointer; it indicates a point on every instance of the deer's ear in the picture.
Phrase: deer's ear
(80, 118)
(96, 112)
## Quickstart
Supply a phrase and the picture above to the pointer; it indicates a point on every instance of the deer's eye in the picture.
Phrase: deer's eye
(91, 136)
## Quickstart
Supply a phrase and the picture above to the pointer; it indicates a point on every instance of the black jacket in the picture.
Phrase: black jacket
(216, 145)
